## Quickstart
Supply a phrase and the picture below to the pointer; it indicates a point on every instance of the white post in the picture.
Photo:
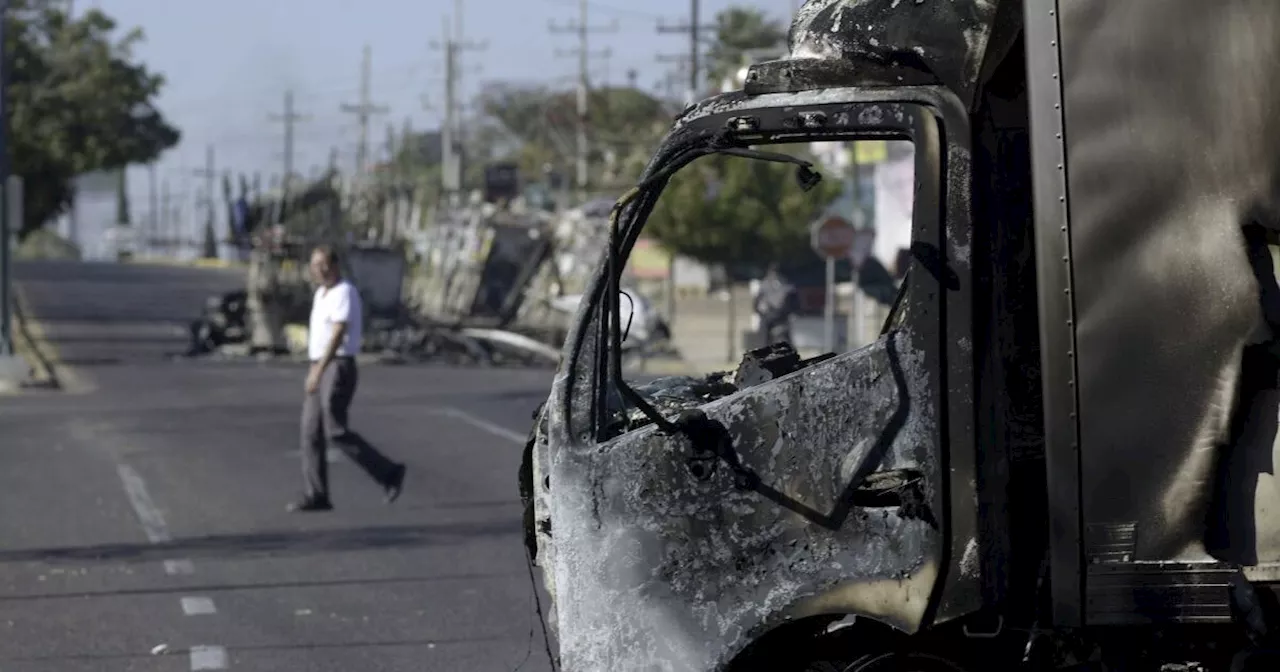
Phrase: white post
(857, 316)
(830, 313)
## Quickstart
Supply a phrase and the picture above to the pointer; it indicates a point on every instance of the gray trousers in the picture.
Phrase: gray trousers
(324, 424)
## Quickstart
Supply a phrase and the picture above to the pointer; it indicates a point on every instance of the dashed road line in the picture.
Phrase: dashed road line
(198, 606)
(178, 567)
(208, 658)
(152, 520)
(482, 424)
(157, 531)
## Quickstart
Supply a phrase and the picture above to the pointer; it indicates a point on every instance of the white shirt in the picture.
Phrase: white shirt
(330, 305)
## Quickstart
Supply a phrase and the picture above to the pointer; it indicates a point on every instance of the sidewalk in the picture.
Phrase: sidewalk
(708, 331)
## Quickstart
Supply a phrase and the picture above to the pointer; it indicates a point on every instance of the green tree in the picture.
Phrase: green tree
(728, 210)
(733, 211)
(541, 123)
(739, 32)
(78, 102)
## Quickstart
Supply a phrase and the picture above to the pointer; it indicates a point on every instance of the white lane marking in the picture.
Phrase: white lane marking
(198, 606)
(481, 423)
(208, 658)
(179, 567)
(152, 521)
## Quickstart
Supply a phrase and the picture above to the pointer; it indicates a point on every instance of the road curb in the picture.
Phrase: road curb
(48, 372)
(33, 349)
(193, 263)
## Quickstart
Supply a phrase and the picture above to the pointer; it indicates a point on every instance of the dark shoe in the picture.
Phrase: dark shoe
(311, 504)
(394, 483)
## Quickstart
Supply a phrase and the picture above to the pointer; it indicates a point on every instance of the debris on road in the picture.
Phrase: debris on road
(484, 286)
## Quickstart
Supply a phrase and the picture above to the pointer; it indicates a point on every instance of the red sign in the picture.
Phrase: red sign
(833, 237)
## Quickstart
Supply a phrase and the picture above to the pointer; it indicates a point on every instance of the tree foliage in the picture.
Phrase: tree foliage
(739, 31)
(737, 211)
(78, 103)
(541, 124)
(731, 210)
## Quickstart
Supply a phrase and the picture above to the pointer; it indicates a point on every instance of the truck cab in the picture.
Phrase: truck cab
(1056, 454)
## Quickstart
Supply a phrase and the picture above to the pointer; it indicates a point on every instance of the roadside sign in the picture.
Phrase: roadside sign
(832, 237)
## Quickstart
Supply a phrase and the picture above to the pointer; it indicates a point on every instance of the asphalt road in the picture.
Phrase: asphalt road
(146, 512)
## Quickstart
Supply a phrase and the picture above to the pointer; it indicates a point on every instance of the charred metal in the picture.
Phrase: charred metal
(1056, 456)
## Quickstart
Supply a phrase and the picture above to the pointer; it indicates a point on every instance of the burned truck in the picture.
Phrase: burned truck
(1059, 452)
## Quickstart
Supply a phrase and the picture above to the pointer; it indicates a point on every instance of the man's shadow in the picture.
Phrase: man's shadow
(1232, 533)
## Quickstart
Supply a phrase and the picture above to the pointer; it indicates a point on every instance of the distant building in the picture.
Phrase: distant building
(92, 214)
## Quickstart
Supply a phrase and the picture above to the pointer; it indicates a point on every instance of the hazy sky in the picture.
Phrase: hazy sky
(228, 64)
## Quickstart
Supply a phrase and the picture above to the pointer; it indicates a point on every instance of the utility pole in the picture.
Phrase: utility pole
(407, 145)
(450, 136)
(583, 30)
(290, 117)
(209, 175)
(364, 109)
(6, 237)
(460, 119)
(153, 220)
(693, 29)
(168, 237)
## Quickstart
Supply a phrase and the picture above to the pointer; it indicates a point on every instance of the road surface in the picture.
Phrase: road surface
(147, 512)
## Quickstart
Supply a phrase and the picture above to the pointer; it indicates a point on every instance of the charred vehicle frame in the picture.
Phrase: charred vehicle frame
(1020, 471)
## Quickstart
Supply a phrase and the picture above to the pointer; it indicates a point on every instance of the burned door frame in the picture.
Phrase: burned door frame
(942, 263)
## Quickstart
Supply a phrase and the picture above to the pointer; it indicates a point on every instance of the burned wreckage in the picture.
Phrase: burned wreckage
(1058, 454)
(481, 299)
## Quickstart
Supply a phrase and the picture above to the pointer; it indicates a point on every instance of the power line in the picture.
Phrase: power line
(312, 91)
(322, 131)
(613, 9)
(583, 30)
(365, 108)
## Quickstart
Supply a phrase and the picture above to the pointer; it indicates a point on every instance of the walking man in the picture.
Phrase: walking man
(333, 341)
(775, 303)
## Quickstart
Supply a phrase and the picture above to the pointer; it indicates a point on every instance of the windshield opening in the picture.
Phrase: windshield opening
(728, 283)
